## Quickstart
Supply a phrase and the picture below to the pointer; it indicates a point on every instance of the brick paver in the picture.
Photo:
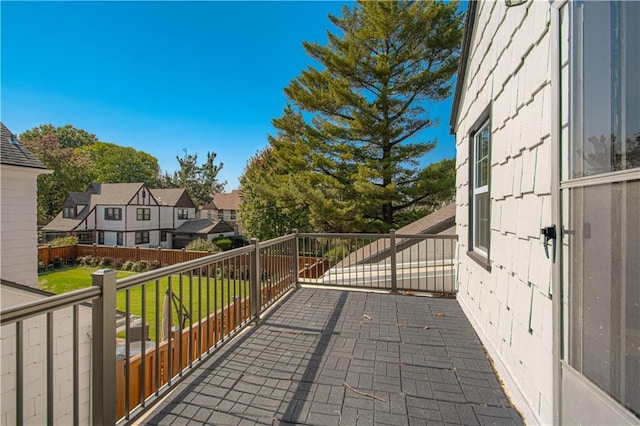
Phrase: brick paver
(330, 357)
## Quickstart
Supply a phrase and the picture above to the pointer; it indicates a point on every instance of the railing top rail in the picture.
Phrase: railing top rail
(49, 304)
(274, 241)
(370, 235)
(128, 282)
(428, 236)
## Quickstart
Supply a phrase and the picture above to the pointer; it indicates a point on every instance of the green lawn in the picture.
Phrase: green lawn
(221, 291)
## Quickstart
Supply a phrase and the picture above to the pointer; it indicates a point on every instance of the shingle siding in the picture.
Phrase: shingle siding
(509, 68)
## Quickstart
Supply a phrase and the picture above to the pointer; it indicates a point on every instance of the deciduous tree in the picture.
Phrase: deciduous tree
(200, 180)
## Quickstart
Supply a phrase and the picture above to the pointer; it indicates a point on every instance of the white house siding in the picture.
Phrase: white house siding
(35, 365)
(18, 245)
(509, 69)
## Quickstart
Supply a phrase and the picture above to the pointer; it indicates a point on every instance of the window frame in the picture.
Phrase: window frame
(69, 212)
(119, 238)
(183, 214)
(479, 254)
(101, 237)
(163, 236)
(110, 213)
(142, 237)
(220, 214)
(143, 213)
(233, 215)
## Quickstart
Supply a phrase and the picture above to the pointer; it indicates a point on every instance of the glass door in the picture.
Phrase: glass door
(600, 198)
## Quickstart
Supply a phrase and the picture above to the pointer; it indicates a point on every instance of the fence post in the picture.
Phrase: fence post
(103, 349)
(254, 280)
(394, 267)
(296, 258)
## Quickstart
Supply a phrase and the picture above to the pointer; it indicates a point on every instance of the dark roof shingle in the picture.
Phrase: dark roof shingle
(13, 153)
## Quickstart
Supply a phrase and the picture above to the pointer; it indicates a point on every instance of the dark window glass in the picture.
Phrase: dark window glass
(143, 214)
(113, 213)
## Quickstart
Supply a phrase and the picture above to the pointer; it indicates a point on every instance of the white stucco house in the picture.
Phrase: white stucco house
(122, 214)
(546, 116)
(224, 206)
(19, 170)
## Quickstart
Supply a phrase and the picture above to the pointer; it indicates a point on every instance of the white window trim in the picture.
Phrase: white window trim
(478, 190)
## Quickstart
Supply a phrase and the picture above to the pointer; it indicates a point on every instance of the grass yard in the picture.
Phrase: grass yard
(221, 292)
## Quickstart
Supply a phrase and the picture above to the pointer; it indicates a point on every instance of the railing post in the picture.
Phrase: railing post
(254, 280)
(394, 267)
(296, 258)
(103, 349)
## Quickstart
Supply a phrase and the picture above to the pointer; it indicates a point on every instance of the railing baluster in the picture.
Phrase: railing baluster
(157, 332)
(127, 354)
(50, 368)
(19, 374)
(169, 366)
(143, 344)
(76, 366)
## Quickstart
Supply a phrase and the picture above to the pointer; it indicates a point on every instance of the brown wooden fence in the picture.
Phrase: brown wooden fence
(309, 267)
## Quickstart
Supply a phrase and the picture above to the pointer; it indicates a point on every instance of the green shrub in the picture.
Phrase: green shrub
(155, 264)
(127, 266)
(71, 240)
(106, 261)
(200, 244)
(223, 244)
(140, 266)
(236, 241)
(117, 263)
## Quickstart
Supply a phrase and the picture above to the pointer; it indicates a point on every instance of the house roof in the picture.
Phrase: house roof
(174, 197)
(462, 65)
(97, 193)
(204, 226)
(433, 223)
(13, 153)
(225, 201)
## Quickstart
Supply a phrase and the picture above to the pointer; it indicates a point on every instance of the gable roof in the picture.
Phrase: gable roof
(173, 197)
(225, 201)
(433, 223)
(204, 226)
(13, 153)
(462, 65)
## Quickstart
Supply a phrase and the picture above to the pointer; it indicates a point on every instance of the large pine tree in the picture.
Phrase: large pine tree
(350, 136)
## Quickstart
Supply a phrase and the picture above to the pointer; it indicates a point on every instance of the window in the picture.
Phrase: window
(69, 212)
(163, 236)
(144, 214)
(142, 237)
(113, 213)
(479, 179)
(183, 214)
(233, 215)
(119, 239)
(220, 214)
(100, 237)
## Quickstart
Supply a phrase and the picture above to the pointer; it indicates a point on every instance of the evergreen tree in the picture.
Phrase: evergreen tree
(350, 134)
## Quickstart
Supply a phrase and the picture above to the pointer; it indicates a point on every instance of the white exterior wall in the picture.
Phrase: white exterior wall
(35, 365)
(509, 68)
(18, 226)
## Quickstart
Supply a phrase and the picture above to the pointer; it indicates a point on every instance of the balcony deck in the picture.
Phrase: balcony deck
(329, 357)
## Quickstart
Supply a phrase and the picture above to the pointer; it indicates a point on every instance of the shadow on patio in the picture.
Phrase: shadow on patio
(329, 357)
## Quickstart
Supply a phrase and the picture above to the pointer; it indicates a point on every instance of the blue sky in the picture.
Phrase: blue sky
(163, 76)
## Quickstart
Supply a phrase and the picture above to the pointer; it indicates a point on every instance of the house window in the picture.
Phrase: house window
(144, 214)
(120, 239)
(183, 214)
(479, 211)
(220, 214)
(163, 236)
(142, 237)
(100, 237)
(69, 212)
(113, 213)
(233, 215)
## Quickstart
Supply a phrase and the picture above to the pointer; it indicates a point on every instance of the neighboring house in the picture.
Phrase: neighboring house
(122, 214)
(19, 170)
(546, 115)
(205, 229)
(224, 206)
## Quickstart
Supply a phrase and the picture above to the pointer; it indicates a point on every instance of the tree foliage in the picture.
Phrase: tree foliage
(71, 170)
(349, 139)
(267, 211)
(117, 164)
(200, 180)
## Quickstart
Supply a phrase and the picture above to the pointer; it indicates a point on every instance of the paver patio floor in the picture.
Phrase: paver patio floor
(330, 357)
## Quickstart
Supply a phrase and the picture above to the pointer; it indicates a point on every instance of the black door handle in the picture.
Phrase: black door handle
(549, 233)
